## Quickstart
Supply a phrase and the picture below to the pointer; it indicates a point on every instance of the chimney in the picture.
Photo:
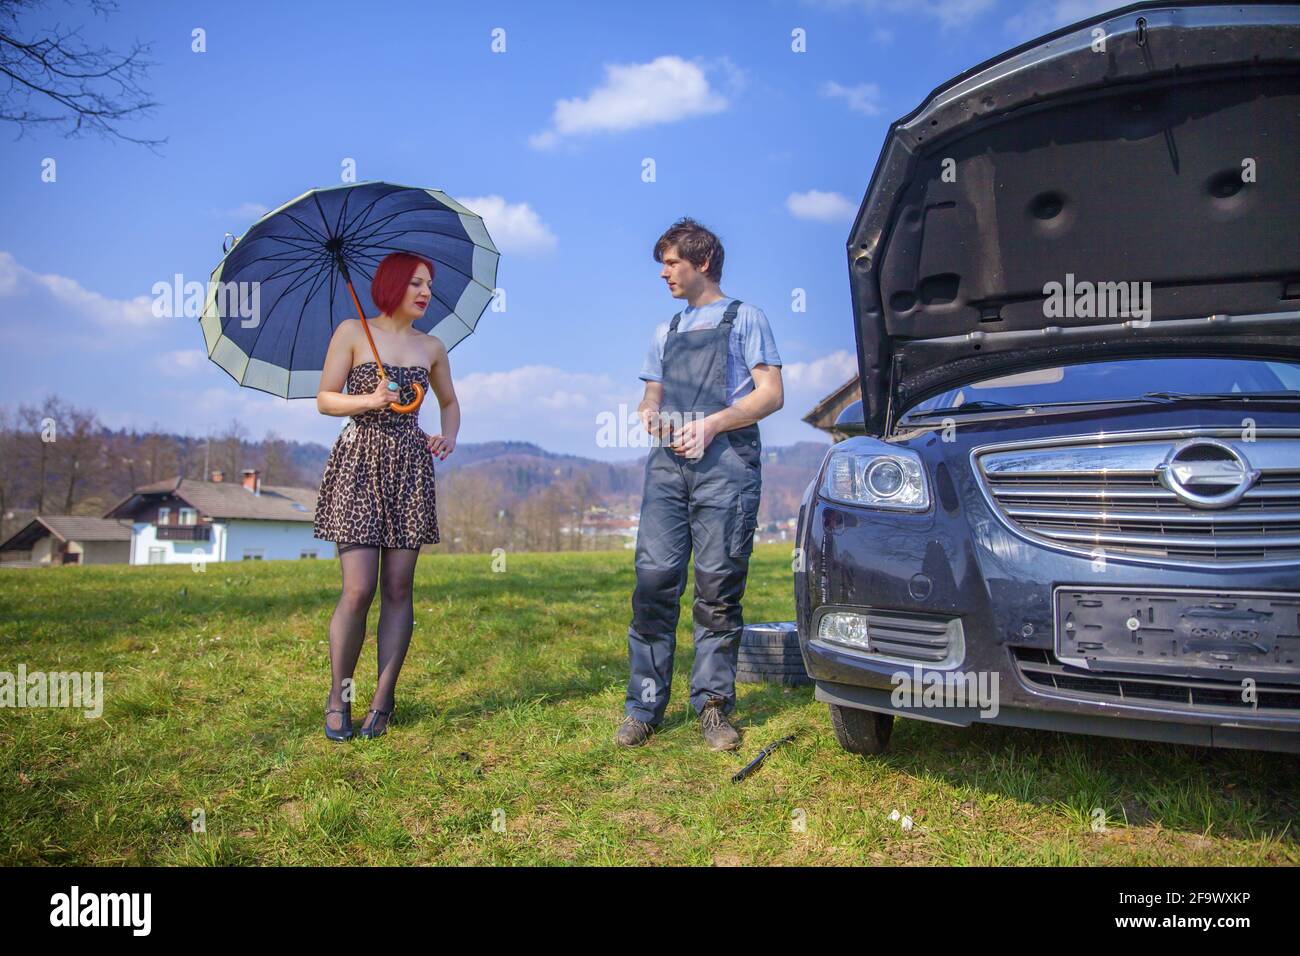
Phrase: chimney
(252, 480)
(217, 475)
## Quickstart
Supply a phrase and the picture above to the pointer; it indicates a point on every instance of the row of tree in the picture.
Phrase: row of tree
(476, 514)
(56, 458)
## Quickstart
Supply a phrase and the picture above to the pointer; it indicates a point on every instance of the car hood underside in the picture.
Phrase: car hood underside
(1127, 186)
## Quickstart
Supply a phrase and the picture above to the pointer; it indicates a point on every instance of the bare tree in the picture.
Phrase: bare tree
(40, 430)
(8, 462)
(470, 513)
(81, 448)
(229, 452)
(158, 452)
(54, 78)
(277, 464)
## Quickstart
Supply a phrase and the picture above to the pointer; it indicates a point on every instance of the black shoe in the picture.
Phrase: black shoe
(344, 732)
(632, 732)
(368, 730)
(716, 727)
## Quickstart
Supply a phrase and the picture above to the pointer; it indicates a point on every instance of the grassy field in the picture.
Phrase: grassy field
(215, 686)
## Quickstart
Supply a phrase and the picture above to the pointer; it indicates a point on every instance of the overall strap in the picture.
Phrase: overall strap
(730, 315)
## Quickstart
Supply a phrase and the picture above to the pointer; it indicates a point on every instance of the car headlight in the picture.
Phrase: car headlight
(893, 479)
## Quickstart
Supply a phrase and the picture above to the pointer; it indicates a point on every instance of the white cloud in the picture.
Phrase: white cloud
(1038, 19)
(820, 376)
(510, 394)
(41, 302)
(949, 13)
(556, 408)
(245, 212)
(202, 409)
(514, 227)
(820, 206)
(665, 90)
(954, 13)
(180, 362)
(863, 98)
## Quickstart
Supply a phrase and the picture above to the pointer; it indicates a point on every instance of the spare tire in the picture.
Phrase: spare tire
(769, 653)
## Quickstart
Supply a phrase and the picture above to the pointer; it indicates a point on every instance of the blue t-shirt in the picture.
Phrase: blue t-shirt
(751, 343)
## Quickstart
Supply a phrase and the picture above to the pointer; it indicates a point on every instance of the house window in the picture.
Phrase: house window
(156, 555)
(164, 515)
(254, 554)
(189, 516)
(307, 554)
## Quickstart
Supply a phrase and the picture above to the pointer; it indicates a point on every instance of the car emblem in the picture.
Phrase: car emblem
(1196, 465)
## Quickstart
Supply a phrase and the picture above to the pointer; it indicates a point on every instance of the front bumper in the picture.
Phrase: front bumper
(961, 563)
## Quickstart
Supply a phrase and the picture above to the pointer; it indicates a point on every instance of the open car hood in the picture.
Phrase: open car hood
(1156, 144)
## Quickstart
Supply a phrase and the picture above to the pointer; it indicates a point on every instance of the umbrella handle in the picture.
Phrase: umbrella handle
(412, 405)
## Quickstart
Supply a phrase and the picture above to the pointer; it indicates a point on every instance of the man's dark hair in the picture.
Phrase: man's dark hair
(695, 244)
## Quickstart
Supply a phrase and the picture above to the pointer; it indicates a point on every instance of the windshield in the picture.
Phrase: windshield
(1128, 378)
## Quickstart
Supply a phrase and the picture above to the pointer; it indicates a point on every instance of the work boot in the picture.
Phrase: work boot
(632, 732)
(717, 729)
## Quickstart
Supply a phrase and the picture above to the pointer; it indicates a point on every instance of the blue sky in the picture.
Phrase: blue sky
(769, 147)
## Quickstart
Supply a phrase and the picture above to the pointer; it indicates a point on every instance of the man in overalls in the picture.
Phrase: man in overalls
(711, 374)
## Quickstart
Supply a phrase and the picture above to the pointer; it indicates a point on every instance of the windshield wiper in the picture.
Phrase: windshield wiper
(1289, 394)
(982, 405)
(976, 406)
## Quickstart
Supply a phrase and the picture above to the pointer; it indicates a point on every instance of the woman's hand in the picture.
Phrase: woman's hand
(440, 445)
(382, 395)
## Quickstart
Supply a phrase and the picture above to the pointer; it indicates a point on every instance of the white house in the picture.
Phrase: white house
(183, 521)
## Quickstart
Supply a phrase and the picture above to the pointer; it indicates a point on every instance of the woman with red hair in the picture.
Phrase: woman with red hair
(377, 496)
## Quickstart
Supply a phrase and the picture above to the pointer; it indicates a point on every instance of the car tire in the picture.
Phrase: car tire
(861, 731)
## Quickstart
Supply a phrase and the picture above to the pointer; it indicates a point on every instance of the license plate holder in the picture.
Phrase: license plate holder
(1162, 630)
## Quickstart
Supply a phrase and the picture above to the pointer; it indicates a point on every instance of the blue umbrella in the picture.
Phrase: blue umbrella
(302, 260)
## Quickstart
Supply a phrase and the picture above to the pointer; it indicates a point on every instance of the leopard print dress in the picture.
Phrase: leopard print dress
(378, 487)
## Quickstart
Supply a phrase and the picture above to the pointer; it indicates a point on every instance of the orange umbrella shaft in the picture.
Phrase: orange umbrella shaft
(366, 327)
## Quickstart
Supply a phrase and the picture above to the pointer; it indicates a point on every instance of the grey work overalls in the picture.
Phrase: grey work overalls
(710, 502)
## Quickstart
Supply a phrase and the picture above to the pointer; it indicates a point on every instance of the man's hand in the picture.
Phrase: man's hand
(648, 410)
(650, 420)
(693, 438)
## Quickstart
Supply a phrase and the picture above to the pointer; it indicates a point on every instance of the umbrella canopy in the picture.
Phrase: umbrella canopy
(299, 258)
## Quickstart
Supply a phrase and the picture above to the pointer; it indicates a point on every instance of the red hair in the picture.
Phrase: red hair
(388, 287)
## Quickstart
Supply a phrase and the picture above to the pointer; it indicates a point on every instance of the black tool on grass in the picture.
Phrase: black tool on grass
(754, 764)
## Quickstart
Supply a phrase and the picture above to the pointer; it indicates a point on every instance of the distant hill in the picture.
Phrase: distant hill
(523, 468)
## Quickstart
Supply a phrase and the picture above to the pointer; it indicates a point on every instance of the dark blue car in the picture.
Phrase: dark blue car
(1071, 498)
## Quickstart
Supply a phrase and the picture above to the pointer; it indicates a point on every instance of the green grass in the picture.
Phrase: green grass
(215, 686)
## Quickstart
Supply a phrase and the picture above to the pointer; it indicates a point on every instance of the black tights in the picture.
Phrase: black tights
(362, 569)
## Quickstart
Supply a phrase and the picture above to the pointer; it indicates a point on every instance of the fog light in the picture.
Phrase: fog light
(907, 637)
(845, 628)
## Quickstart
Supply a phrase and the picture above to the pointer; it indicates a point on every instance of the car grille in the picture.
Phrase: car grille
(1105, 497)
(1040, 668)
